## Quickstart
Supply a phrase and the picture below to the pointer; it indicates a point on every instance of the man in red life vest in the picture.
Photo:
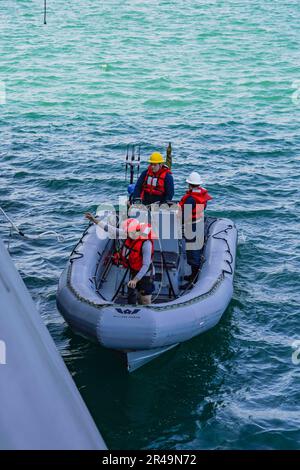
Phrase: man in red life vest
(192, 205)
(136, 254)
(156, 183)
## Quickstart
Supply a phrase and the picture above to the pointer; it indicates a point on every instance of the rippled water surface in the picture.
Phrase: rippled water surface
(221, 81)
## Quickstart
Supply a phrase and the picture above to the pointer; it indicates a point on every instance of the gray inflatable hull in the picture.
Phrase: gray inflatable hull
(154, 326)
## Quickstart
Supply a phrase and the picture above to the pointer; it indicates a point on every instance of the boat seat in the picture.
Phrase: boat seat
(171, 259)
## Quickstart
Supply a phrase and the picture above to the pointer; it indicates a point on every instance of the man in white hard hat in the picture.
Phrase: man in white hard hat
(192, 205)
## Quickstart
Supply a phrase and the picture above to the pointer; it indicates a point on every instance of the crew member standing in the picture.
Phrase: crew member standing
(192, 205)
(156, 183)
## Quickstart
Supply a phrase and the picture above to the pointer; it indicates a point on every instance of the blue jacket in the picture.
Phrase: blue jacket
(149, 199)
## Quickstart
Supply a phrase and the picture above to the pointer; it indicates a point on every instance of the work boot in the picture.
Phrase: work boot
(145, 299)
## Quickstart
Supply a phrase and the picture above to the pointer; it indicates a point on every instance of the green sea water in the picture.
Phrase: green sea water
(221, 81)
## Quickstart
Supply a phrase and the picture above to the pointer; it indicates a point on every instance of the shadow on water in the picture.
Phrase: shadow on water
(158, 401)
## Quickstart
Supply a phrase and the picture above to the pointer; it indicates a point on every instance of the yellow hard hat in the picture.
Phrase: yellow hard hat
(156, 157)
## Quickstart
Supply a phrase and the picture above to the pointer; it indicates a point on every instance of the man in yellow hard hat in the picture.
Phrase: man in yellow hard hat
(156, 183)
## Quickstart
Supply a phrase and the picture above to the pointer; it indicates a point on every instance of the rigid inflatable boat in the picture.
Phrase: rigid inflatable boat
(92, 292)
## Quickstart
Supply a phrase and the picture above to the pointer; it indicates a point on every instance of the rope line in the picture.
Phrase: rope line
(60, 238)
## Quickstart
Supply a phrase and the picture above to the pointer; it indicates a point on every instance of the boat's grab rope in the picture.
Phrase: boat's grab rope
(230, 227)
(195, 299)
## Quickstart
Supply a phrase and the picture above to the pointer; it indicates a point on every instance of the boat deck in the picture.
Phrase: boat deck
(122, 299)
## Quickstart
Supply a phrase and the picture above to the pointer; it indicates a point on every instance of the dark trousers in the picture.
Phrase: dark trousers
(144, 287)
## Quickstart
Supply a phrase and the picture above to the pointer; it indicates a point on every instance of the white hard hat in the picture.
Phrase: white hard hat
(194, 178)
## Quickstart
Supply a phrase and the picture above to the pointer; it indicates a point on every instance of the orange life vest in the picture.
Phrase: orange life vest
(154, 183)
(131, 255)
(201, 196)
